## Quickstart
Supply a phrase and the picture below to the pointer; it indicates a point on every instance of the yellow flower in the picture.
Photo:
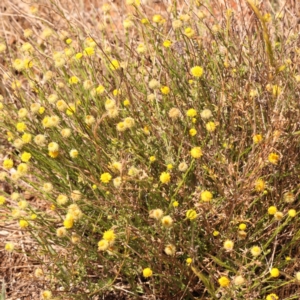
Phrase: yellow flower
(165, 177)
(257, 138)
(21, 127)
(216, 233)
(165, 90)
(272, 210)
(191, 113)
(103, 245)
(53, 147)
(89, 51)
(26, 138)
(74, 153)
(192, 132)
(109, 236)
(22, 168)
(272, 297)
(74, 80)
(121, 126)
(242, 226)
(152, 158)
(189, 261)
(114, 65)
(224, 281)
(228, 245)
(255, 251)
(210, 126)
(25, 156)
(197, 71)
(191, 214)
(53, 154)
(8, 164)
(105, 177)
(274, 272)
(276, 90)
(2, 200)
(147, 272)
(196, 152)
(167, 43)
(169, 166)
(259, 185)
(206, 196)
(23, 223)
(273, 158)
(157, 18)
(175, 204)
(167, 221)
(126, 102)
(9, 247)
(292, 213)
(189, 32)
(78, 56)
(46, 295)
(68, 222)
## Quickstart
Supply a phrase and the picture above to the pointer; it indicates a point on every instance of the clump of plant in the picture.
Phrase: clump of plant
(162, 154)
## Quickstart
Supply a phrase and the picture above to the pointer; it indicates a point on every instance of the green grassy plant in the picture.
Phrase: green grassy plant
(162, 153)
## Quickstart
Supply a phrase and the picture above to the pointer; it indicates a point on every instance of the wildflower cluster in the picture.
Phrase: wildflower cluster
(160, 156)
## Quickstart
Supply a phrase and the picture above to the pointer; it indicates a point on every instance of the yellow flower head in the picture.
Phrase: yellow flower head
(257, 138)
(242, 226)
(25, 156)
(23, 223)
(68, 222)
(9, 247)
(272, 210)
(165, 90)
(89, 51)
(197, 71)
(206, 196)
(272, 297)
(147, 272)
(109, 236)
(274, 272)
(255, 251)
(191, 214)
(191, 113)
(224, 281)
(21, 127)
(189, 261)
(273, 158)
(103, 245)
(210, 126)
(74, 80)
(167, 43)
(228, 245)
(292, 213)
(192, 132)
(260, 185)
(105, 177)
(46, 295)
(8, 164)
(114, 65)
(167, 221)
(165, 177)
(196, 152)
